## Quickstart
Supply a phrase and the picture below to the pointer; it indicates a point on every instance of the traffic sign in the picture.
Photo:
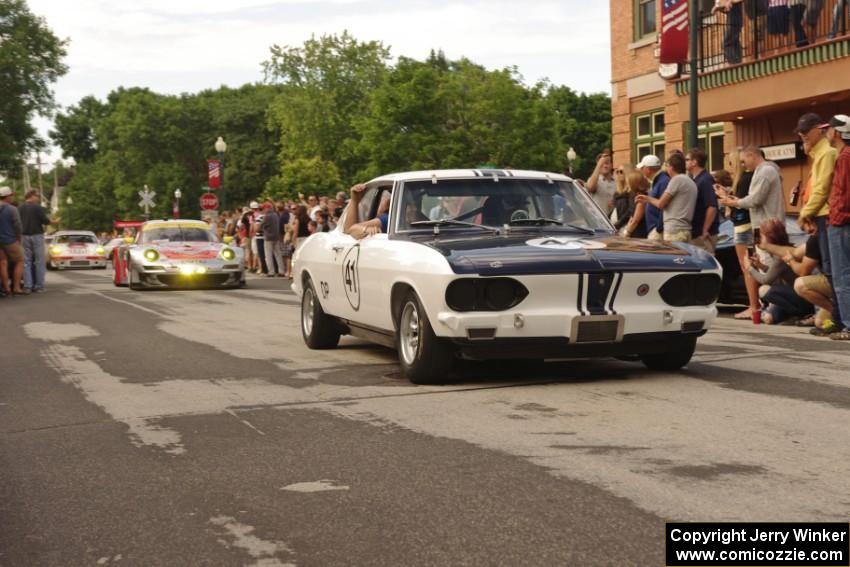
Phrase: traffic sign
(209, 202)
(147, 200)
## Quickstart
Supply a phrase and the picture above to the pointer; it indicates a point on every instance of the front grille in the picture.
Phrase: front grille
(79, 263)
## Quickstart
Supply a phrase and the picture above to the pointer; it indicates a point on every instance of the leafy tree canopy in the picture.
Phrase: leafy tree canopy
(30, 61)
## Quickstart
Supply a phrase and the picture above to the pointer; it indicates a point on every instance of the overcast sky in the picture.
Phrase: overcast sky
(175, 46)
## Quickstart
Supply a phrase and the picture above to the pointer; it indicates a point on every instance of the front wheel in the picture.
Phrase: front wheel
(320, 331)
(674, 359)
(424, 357)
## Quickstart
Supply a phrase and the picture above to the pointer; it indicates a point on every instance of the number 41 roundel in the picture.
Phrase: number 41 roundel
(351, 276)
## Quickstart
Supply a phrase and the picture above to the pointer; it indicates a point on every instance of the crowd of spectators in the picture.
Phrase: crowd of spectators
(679, 201)
(269, 231)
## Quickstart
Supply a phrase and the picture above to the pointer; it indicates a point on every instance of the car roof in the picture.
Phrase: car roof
(469, 174)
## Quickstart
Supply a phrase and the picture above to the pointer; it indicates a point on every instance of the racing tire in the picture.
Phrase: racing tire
(423, 356)
(672, 360)
(320, 330)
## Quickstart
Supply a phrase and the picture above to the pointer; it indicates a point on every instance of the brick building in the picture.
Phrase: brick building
(751, 90)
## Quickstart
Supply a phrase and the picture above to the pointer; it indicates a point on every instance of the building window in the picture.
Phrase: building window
(644, 18)
(648, 135)
(710, 139)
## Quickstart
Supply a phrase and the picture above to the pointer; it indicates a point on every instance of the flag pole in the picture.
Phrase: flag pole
(693, 132)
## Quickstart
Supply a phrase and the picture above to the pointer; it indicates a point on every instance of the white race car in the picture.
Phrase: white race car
(75, 249)
(489, 264)
(178, 254)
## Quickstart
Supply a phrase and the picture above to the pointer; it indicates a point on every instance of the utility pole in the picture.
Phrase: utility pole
(26, 180)
(693, 134)
(40, 182)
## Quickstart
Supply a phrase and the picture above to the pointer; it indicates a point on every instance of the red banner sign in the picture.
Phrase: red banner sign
(674, 31)
(215, 173)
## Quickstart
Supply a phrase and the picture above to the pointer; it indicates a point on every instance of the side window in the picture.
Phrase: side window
(364, 209)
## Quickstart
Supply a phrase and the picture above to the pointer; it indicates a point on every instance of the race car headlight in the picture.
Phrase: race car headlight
(55, 250)
(151, 255)
(101, 251)
(490, 294)
(228, 254)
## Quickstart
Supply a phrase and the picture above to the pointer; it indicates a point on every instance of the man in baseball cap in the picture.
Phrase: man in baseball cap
(649, 161)
(841, 124)
(650, 167)
(809, 121)
(812, 131)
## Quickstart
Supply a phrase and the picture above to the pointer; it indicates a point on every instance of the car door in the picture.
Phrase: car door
(347, 260)
(369, 267)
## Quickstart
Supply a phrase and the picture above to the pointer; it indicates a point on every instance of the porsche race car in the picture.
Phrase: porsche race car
(490, 264)
(75, 249)
(178, 254)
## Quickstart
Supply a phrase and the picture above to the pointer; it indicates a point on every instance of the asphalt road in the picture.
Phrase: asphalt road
(194, 428)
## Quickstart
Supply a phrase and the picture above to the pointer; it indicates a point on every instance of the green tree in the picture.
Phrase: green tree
(442, 114)
(30, 60)
(137, 137)
(326, 85)
(308, 176)
(583, 123)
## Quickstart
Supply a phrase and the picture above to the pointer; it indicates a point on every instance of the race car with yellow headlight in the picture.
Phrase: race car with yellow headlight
(75, 249)
(178, 254)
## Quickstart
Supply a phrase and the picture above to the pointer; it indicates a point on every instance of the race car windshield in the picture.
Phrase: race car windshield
(526, 203)
(177, 234)
(75, 239)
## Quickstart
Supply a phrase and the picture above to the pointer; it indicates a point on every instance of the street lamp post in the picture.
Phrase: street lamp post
(571, 157)
(176, 209)
(221, 148)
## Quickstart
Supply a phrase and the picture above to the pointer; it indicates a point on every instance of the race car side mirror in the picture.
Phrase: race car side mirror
(227, 239)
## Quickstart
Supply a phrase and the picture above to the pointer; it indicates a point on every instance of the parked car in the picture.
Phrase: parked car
(178, 254)
(490, 264)
(75, 249)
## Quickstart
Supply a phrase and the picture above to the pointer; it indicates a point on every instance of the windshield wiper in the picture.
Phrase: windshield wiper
(582, 229)
(539, 220)
(452, 222)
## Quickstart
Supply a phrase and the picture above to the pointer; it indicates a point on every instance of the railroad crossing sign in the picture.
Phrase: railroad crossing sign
(147, 200)
(209, 202)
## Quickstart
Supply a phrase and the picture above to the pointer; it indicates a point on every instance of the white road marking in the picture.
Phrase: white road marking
(265, 553)
(317, 486)
(58, 332)
(245, 421)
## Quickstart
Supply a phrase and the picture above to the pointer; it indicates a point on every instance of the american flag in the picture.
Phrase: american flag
(674, 31)
(214, 173)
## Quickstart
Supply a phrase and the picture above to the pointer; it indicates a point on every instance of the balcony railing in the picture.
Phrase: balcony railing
(759, 29)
